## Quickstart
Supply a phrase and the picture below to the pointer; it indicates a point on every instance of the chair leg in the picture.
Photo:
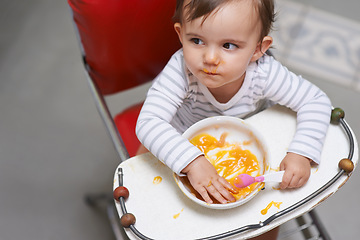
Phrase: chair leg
(302, 224)
(101, 199)
(319, 225)
(114, 221)
(316, 223)
(307, 226)
(93, 200)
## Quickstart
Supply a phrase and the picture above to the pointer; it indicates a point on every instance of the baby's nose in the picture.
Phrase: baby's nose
(211, 57)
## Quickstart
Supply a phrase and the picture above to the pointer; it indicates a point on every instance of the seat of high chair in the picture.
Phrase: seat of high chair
(126, 123)
(162, 211)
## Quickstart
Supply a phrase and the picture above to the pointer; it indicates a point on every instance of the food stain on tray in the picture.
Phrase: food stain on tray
(275, 204)
(178, 214)
(314, 170)
(157, 180)
(275, 169)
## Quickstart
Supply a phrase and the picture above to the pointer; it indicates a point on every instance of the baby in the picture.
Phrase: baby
(222, 69)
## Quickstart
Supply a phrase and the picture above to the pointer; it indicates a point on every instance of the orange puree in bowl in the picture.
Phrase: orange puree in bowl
(229, 159)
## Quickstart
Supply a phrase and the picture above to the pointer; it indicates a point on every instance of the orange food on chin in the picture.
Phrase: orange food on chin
(229, 160)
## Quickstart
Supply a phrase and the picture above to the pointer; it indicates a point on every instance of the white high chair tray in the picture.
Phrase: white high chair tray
(162, 211)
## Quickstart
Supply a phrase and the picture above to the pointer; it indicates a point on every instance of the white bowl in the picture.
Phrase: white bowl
(238, 131)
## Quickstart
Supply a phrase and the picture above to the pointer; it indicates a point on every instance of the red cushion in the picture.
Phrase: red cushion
(126, 43)
(126, 122)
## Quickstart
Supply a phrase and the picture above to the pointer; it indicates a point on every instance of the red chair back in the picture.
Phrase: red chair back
(125, 43)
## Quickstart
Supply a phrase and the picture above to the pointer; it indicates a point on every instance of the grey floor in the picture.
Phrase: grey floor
(53, 146)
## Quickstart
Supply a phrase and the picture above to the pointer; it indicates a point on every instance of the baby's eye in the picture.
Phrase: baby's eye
(230, 46)
(197, 41)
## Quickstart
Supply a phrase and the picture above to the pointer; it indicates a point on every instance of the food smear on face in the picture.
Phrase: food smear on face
(275, 204)
(213, 71)
(229, 160)
(157, 180)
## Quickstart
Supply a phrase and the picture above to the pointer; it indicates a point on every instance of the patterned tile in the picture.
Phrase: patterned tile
(286, 27)
(319, 44)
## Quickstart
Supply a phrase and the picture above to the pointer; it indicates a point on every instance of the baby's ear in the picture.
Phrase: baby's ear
(177, 27)
(261, 48)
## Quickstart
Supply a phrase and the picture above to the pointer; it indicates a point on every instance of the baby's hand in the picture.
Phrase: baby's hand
(205, 180)
(297, 171)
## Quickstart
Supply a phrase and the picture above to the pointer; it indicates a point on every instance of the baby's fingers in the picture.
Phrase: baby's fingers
(298, 183)
(287, 178)
(213, 189)
(292, 181)
(227, 190)
(204, 194)
(223, 191)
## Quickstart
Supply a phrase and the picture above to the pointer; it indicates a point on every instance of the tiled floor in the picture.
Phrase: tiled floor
(54, 148)
(316, 42)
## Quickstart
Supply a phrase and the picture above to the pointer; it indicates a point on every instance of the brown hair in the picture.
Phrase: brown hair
(203, 8)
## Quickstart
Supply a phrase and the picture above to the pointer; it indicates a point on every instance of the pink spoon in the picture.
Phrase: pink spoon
(244, 180)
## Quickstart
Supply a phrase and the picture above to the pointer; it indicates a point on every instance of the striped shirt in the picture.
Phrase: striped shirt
(176, 100)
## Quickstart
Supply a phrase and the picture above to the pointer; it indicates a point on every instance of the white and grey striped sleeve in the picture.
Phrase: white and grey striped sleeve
(312, 105)
(153, 126)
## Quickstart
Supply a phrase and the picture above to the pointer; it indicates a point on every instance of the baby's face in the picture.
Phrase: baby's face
(218, 50)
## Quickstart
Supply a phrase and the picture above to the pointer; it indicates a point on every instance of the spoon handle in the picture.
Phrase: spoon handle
(271, 177)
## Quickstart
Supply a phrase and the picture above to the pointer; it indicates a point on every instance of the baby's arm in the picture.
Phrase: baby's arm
(205, 180)
(313, 109)
(157, 134)
(297, 170)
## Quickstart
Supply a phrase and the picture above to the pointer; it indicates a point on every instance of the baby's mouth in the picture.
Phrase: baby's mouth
(212, 72)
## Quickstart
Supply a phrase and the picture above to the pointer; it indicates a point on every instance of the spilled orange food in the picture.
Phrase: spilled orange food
(157, 180)
(229, 159)
(275, 204)
(178, 214)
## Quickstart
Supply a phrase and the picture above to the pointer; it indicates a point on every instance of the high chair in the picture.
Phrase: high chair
(125, 44)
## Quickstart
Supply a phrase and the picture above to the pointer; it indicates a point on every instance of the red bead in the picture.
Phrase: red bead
(121, 192)
(127, 219)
